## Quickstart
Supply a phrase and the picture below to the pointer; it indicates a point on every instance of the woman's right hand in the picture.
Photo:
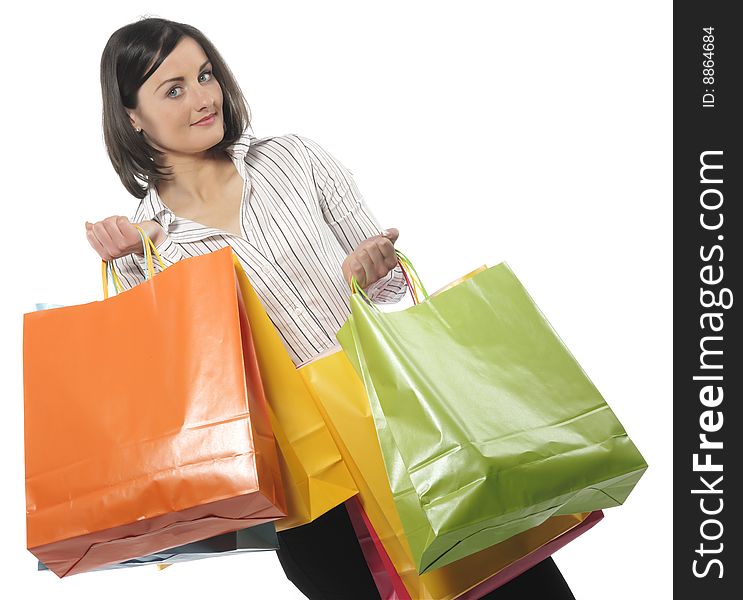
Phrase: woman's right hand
(115, 236)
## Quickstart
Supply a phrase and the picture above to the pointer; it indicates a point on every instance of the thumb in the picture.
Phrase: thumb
(391, 234)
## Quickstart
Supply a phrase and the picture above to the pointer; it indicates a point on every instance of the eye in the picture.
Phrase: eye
(176, 87)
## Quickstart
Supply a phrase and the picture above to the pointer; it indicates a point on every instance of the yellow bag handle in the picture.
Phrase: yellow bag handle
(108, 266)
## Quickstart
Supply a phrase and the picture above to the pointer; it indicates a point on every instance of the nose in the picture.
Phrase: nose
(204, 102)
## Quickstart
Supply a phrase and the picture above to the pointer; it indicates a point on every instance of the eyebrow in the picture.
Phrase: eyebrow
(179, 78)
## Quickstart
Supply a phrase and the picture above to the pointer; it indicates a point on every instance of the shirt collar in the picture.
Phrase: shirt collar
(153, 208)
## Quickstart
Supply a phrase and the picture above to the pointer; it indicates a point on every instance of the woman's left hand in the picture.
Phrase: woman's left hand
(372, 259)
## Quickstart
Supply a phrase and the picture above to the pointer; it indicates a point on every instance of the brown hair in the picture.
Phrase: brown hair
(125, 66)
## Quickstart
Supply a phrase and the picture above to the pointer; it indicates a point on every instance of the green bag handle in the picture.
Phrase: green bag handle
(108, 269)
(411, 277)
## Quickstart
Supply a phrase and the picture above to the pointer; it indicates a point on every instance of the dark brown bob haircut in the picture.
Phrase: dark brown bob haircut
(130, 57)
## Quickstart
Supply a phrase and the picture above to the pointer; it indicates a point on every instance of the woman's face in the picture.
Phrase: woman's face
(167, 110)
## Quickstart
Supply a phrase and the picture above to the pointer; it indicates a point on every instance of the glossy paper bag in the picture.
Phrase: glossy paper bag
(391, 586)
(490, 417)
(315, 475)
(388, 581)
(340, 395)
(146, 426)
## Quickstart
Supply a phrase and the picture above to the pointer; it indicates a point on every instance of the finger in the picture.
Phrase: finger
(388, 251)
(117, 238)
(104, 238)
(379, 266)
(116, 226)
(357, 270)
(367, 263)
(123, 236)
(118, 232)
(391, 234)
(93, 241)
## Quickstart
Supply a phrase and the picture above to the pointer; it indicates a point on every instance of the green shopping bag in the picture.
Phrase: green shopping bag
(488, 425)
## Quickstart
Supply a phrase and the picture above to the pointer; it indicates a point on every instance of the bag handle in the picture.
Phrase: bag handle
(411, 278)
(108, 268)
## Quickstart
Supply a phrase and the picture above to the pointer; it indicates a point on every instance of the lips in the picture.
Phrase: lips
(206, 118)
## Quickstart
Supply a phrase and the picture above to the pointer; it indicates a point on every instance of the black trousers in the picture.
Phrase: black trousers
(324, 560)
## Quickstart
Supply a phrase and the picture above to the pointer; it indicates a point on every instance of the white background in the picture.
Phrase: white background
(538, 133)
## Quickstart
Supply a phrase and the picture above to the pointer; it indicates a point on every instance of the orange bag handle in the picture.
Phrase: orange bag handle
(107, 267)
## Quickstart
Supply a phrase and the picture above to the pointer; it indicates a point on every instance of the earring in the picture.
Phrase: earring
(139, 129)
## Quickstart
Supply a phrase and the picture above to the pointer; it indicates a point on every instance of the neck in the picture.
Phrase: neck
(196, 181)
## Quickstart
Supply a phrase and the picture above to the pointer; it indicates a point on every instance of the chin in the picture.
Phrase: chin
(212, 140)
(216, 129)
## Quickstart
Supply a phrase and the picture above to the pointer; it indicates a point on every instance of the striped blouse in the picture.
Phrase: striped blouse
(301, 215)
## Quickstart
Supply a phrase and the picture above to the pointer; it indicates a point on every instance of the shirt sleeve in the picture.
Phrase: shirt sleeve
(132, 268)
(348, 216)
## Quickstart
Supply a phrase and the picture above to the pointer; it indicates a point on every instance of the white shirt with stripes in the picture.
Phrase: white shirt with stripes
(301, 215)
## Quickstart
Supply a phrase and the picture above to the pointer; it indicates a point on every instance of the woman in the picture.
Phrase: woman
(174, 118)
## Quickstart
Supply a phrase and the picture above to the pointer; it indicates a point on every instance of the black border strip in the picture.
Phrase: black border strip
(708, 361)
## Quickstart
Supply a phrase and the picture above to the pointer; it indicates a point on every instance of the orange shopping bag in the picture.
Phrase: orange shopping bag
(146, 425)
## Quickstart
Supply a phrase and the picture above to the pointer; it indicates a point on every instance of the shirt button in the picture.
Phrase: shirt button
(266, 269)
(298, 310)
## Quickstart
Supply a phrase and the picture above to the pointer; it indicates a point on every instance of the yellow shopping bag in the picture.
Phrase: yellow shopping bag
(314, 473)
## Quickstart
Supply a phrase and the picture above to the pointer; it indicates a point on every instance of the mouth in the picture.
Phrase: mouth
(206, 120)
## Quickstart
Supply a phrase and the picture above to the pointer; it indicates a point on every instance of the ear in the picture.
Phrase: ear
(132, 119)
